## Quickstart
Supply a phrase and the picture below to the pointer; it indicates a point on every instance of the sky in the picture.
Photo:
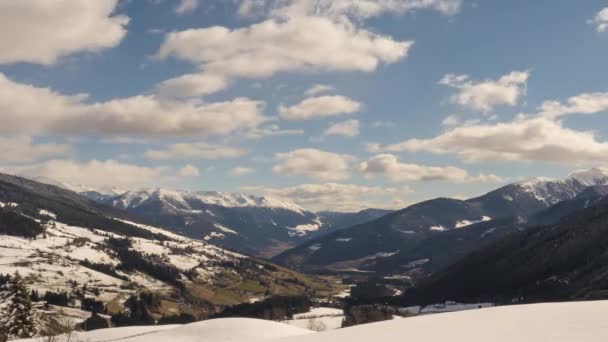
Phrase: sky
(335, 105)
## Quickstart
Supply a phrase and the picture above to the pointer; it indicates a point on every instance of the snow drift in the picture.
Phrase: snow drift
(556, 322)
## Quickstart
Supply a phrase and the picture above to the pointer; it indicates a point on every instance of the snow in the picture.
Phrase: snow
(555, 322)
(224, 330)
(595, 176)
(343, 239)
(181, 199)
(315, 247)
(304, 229)
(452, 307)
(9, 204)
(385, 254)
(487, 232)
(416, 263)
(47, 213)
(214, 235)
(114, 334)
(466, 223)
(321, 318)
(550, 191)
(438, 228)
(225, 229)
(562, 322)
(318, 312)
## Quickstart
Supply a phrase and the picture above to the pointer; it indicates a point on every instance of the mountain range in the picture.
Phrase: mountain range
(61, 241)
(260, 226)
(563, 261)
(430, 235)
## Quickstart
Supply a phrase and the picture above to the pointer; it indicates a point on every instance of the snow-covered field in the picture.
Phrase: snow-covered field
(51, 262)
(555, 322)
(318, 319)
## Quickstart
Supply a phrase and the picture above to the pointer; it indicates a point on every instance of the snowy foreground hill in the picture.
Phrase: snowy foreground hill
(556, 322)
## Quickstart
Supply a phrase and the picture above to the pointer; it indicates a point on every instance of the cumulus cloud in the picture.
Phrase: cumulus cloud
(484, 95)
(389, 166)
(98, 173)
(191, 85)
(22, 149)
(319, 107)
(298, 44)
(338, 196)
(318, 89)
(525, 139)
(186, 6)
(349, 128)
(143, 115)
(189, 171)
(197, 150)
(314, 164)
(241, 171)
(587, 103)
(600, 20)
(41, 31)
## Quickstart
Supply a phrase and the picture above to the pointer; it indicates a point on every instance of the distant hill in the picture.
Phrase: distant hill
(567, 260)
(429, 235)
(261, 226)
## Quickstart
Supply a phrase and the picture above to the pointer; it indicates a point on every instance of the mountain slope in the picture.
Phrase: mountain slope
(436, 231)
(563, 261)
(261, 226)
(64, 241)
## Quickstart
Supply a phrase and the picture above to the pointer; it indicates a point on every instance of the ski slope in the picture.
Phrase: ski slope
(555, 322)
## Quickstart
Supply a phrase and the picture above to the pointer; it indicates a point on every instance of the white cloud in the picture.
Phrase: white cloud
(191, 85)
(319, 107)
(198, 150)
(189, 171)
(23, 149)
(318, 89)
(337, 196)
(270, 131)
(484, 95)
(144, 115)
(349, 128)
(314, 163)
(388, 165)
(241, 171)
(98, 174)
(337, 9)
(41, 31)
(537, 139)
(600, 20)
(298, 44)
(451, 120)
(186, 6)
(588, 103)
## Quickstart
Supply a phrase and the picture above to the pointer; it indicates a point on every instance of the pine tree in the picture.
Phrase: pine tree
(16, 312)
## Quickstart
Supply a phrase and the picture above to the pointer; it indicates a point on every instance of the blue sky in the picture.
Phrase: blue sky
(426, 97)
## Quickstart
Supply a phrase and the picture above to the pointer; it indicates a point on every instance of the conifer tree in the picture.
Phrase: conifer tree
(16, 312)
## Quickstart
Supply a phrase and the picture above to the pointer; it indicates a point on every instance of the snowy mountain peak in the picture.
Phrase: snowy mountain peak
(590, 177)
(183, 199)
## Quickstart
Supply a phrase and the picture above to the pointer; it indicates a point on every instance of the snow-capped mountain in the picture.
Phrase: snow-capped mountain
(262, 226)
(186, 200)
(61, 241)
(432, 229)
